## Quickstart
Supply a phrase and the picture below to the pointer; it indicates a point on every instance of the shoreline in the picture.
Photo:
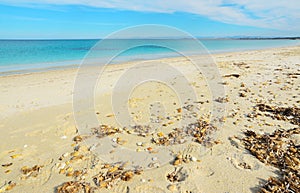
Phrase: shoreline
(76, 63)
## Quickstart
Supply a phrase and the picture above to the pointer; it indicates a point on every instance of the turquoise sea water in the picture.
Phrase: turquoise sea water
(26, 55)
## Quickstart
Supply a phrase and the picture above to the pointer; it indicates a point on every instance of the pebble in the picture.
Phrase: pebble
(172, 188)
(63, 137)
(65, 154)
(62, 166)
(193, 159)
(139, 143)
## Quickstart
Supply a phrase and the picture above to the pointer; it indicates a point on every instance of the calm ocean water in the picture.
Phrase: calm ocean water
(17, 56)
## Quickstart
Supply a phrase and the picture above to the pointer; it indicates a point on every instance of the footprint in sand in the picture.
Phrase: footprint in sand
(147, 189)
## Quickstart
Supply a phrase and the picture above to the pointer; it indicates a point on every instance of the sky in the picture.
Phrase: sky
(91, 19)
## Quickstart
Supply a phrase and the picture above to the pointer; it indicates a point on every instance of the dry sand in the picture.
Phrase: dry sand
(37, 124)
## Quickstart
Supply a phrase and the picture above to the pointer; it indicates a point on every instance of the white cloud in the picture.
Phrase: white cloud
(281, 15)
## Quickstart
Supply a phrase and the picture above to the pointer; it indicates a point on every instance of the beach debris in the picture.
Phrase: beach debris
(7, 186)
(177, 136)
(177, 175)
(15, 156)
(200, 131)
(290, 114)
(222, 99)
(113, 174)
(75, 186)
(289, 182)
(78, 139)
(194, 159)
(244, 165)
(275, 148)
(279, 150)
(110, 115)
(105, 130)
(7, 165)
(178, 160)
(179, 110)
(31, 171)
(172, 188)
(242, 94)
(240, 64)
(142, 130)
(233, 74)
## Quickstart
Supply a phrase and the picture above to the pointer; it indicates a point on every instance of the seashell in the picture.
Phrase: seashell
(160, 134)
(149, 149)
(75, 154)
(70, 169)
(69, 174)
(15, 156)
(110, 115)
(65, 154)
(62, 171)
(113, 169)
(179, 110)
(103, 184)
(179, 156)
(139, 143)
(177, 162)
(193, 159)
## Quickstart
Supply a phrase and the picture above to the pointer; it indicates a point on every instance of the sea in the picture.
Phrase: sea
(23, 56)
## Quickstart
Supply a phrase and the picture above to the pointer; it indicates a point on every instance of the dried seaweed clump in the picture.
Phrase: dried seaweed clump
(277, 150)
(200, 130)
(112, 175)
(142, 130)
(291, 114)
(105, 130)
(177, 175)
(75, 187)
(289, 182)
(31, 172)
(177, 136)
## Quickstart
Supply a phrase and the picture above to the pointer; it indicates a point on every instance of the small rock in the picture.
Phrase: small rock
(172, 188)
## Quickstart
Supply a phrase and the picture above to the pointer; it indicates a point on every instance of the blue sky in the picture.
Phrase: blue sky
(47, 19)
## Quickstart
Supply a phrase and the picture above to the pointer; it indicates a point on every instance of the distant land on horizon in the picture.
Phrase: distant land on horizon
(202, 38)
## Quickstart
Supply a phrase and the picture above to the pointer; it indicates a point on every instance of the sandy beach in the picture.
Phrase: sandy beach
(41, 147)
